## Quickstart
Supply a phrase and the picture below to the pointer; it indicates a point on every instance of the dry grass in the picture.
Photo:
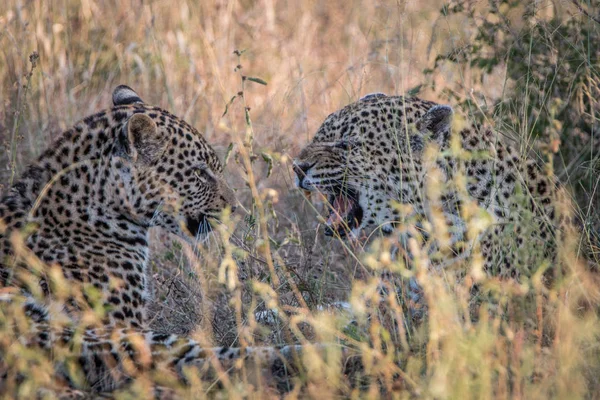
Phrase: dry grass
(316, 57)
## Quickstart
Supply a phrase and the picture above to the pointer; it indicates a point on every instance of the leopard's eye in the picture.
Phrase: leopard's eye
(203, 172)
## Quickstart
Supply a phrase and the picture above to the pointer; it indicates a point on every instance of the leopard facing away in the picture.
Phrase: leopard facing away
(86, 206)
(372, 159)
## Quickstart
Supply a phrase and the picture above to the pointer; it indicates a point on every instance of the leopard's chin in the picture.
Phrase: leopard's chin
(198, 226)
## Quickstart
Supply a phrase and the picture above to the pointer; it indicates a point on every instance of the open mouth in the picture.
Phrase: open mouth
(198, 226)
(345, 213)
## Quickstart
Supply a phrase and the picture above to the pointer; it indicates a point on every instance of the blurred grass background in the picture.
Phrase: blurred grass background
(530, 66)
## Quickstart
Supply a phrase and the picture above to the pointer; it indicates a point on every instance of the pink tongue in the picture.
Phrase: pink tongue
(341, 207)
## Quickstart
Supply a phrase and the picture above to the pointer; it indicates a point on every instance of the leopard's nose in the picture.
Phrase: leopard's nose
(300, 169)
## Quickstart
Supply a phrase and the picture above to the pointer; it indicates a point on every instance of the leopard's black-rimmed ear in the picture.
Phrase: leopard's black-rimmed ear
(371, 96)
(435, 123)
(140, 141)
(125, 95)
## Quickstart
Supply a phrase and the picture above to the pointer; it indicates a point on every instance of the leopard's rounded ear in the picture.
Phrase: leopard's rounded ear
(140, 141)
(435, 123)
(371, 96)
(143, 136)
(125, 95)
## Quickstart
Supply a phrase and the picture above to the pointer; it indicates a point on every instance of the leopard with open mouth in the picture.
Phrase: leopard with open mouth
(345, 214)
(370, 158)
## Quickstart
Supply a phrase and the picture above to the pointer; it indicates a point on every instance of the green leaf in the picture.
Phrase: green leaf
(227, 105)
(257, 80)
(247, 113)
(274, 243)
(269, 160)
(414, 91)
(228, 153)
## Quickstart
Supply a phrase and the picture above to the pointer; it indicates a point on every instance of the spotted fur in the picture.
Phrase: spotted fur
(84, 209)
(374, 152)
